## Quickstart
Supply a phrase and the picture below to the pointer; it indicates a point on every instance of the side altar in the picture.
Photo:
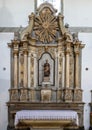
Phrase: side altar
(45, 67)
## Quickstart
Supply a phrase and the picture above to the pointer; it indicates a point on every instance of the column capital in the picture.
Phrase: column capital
(15, 43)
(76, 50)
(77, 47)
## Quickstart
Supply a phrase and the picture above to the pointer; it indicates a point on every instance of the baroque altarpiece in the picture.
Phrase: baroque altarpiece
(45, 66)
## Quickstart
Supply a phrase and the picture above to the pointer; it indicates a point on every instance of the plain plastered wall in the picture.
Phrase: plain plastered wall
(4, 77)
(15, 12)
(78, 12)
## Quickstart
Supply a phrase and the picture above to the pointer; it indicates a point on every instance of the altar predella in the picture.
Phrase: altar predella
(45, 69)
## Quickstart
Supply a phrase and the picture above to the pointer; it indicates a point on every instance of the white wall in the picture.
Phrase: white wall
(15, 13)
(86, 38)
(78, 12)
(4, 77)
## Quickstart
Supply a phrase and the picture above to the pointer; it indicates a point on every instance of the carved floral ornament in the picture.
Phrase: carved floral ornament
(45, 26)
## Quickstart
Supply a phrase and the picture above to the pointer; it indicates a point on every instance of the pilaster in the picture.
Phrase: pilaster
(14, 95)
(15, 55)
(24, 88)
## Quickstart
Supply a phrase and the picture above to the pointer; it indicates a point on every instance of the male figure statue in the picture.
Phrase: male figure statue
(46, 69)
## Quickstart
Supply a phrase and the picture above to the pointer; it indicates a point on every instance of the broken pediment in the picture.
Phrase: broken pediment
(45, 26)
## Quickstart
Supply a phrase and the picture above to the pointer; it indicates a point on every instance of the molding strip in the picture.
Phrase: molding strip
(9, 29)
(81, 29)
(72, 29)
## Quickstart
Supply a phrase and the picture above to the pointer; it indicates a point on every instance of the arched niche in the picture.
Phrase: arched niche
(41, 62)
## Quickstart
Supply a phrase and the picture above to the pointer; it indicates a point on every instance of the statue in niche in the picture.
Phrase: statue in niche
(46, 93)
(46, 69)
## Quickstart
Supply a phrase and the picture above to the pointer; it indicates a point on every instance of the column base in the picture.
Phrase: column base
(59, 95)
(32, 95)
(24, 94)
(77, 95)
(14, 94)
(68, 95)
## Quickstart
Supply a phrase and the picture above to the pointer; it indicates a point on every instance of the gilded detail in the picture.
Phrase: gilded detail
(46, 65)
(45, 26)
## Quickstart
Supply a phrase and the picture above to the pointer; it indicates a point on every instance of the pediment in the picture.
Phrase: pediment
(45, 26)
